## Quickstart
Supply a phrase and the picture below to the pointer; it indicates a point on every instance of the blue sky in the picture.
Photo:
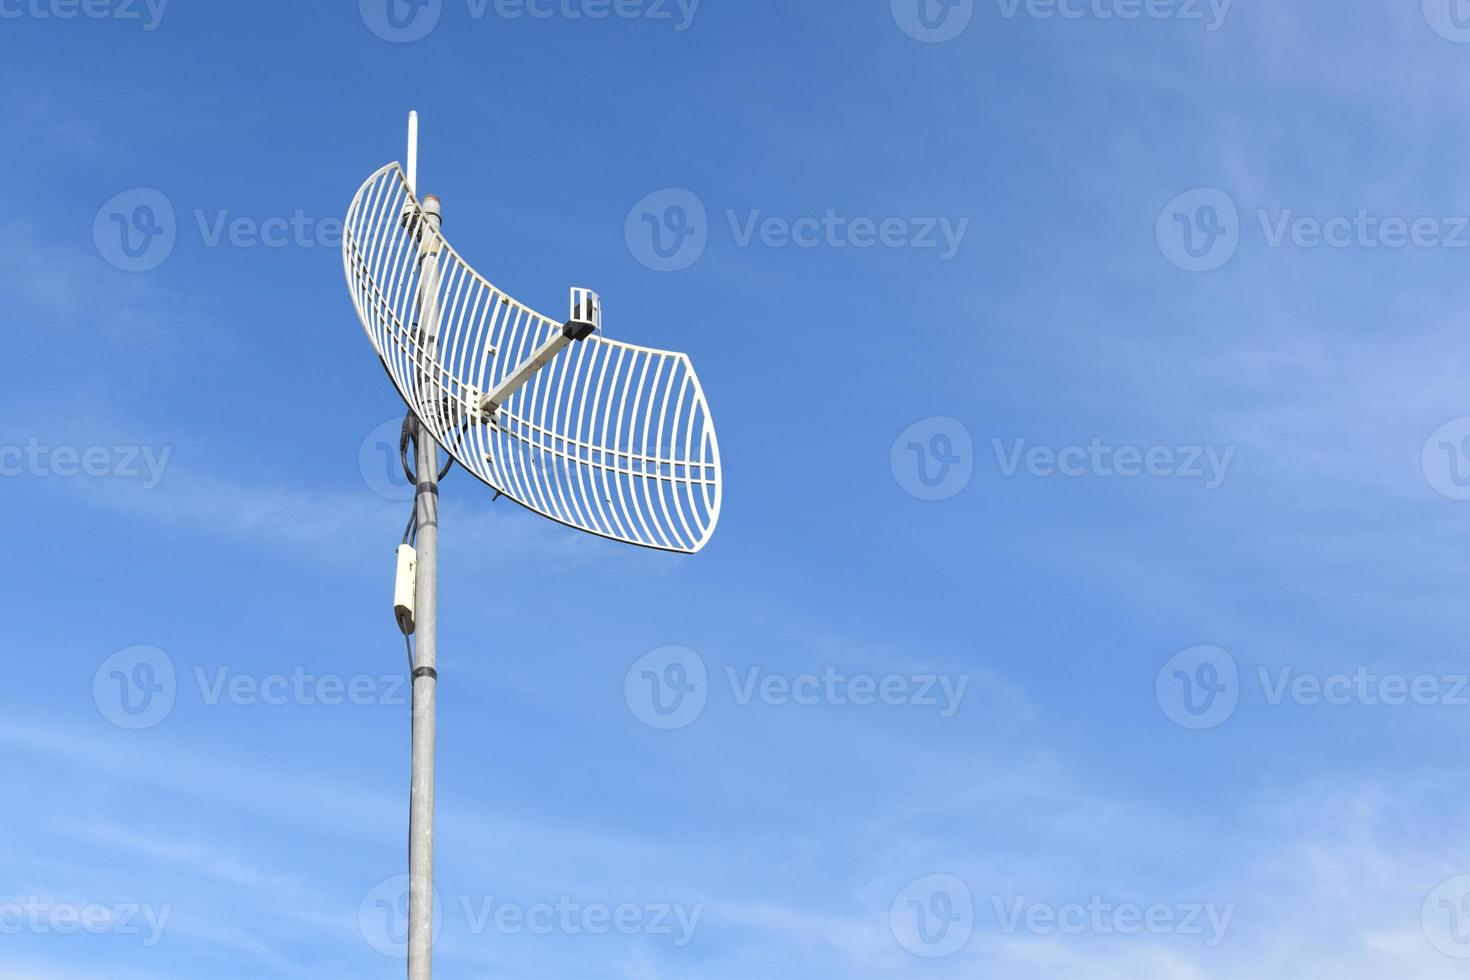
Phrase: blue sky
(1088, 596)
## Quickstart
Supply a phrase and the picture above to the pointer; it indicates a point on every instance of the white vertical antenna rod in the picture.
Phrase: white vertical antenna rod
(413, 152)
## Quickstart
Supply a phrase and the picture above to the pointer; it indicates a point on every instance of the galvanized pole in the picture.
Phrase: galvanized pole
(426, 641)
(425, 692)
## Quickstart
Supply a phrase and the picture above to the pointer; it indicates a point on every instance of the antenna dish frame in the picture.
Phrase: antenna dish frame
(606, 437)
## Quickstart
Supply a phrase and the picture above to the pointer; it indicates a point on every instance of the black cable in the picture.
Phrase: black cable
(405, 436)
(462, 430)
(409, 434)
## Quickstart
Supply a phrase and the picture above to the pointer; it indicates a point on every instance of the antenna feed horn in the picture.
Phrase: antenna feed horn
(586, 317)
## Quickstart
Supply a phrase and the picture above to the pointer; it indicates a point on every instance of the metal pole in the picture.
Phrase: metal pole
(426, 642)
(425, 692)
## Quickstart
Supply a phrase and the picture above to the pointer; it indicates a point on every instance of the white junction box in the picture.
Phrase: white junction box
(403, 588)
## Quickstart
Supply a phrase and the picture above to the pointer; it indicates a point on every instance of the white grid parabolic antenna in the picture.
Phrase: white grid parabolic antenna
(607, 437)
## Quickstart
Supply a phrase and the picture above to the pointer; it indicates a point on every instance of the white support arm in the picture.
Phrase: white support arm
(586, 318)
(491, 403)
